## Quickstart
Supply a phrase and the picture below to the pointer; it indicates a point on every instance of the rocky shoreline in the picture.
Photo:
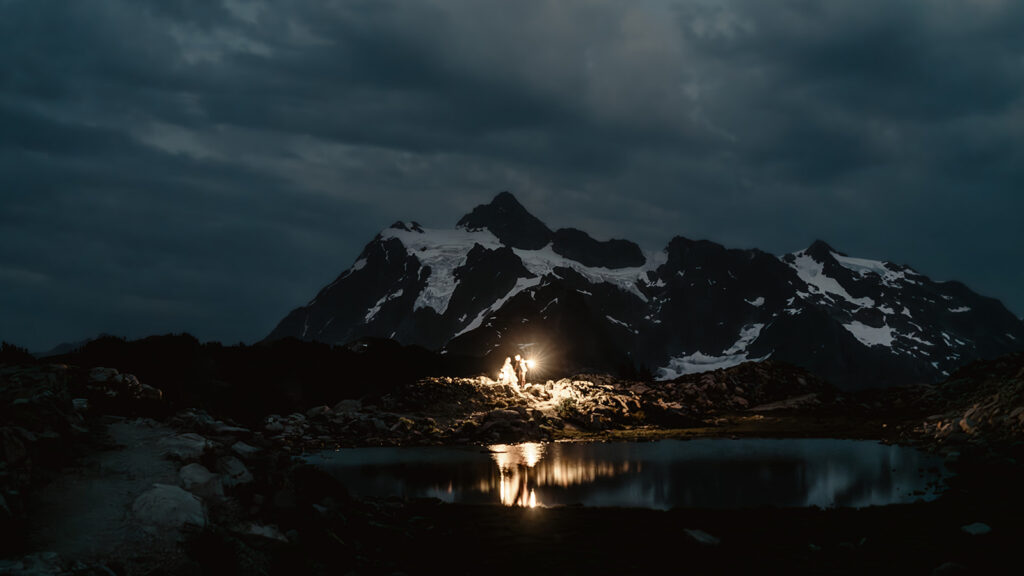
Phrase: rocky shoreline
(201, 494)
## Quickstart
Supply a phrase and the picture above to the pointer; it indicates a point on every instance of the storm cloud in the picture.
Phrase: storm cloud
(206, 166)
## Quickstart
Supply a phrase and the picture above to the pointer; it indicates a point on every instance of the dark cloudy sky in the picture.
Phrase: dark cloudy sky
(206, 166)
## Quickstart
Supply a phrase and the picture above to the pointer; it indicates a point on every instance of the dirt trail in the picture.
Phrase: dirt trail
(86, 513)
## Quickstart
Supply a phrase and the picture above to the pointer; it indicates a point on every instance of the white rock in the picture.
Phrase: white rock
(976, 529)
(269, 532)
(200, 481)
(245, 450)
(169, 506)
(702, 537)
(234, 471)
(188, 446)
(225, 428)
(100, 374)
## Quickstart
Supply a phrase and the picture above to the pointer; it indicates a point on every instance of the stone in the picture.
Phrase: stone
(269, 532)
(318, 411)
(147, 392)
(702, 537)
(234, 472)
(198, 480)
(167, 506)
(976, 529)
(348, 406)
(967, 425)
(187, 446)
(102, 375)
(245, 450)
(502, 415)
(274, 427)
(224, 428)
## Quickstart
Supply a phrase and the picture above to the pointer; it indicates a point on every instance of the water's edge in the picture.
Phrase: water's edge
(703, 473)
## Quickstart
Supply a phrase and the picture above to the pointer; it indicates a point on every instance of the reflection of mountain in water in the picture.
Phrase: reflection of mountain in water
(699, 473)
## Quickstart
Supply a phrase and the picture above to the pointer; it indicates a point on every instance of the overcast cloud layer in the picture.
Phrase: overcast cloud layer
(206, 166)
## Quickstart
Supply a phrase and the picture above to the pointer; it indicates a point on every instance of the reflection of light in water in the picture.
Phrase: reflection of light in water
(522, 469)
(532, 453)
(514, 463)
(703, 473)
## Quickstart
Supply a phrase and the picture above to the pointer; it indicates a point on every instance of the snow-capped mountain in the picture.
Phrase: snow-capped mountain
(502, 281)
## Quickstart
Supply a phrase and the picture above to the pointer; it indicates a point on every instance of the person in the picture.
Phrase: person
(506, 375)
(520, 370)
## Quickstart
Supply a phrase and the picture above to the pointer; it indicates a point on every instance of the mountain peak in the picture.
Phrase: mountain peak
(509, 221)
(821, 251)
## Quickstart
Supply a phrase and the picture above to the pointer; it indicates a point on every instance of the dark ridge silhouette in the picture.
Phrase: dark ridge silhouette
(287, 375)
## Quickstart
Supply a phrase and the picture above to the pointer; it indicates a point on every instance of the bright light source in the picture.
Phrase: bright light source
(530, 364)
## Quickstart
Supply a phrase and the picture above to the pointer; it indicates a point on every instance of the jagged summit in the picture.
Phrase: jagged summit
(502, 281)
(506, 218)
(821, 251)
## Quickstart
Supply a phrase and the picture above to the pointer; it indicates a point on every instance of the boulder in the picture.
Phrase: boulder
(198, 480)
(967, 425)
(702, 537)
(976, 529)
(187, 446)
(245, 450)
(502, 415)
(102, 375)
(167, 506)
(318, 412)
(270, 532)
(233, 471)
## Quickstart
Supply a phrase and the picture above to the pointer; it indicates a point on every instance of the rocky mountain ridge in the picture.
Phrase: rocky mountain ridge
(502, 282)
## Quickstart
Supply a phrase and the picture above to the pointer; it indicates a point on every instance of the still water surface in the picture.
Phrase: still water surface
(705, 473)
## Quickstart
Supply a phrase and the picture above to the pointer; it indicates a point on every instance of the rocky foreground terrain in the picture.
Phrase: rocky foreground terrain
(101, 475)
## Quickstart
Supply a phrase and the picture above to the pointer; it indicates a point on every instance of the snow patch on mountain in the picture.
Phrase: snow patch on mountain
(916, 338)
(960, 309)
(756, 302)
(521, 284)
(700, 362)
(443, 251)
(812, 273)
(544, 261)
(616, 321)
(376, 307)
(870, 335)
(864, 267)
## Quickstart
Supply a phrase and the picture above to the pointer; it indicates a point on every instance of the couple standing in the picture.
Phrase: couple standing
(514, 374)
